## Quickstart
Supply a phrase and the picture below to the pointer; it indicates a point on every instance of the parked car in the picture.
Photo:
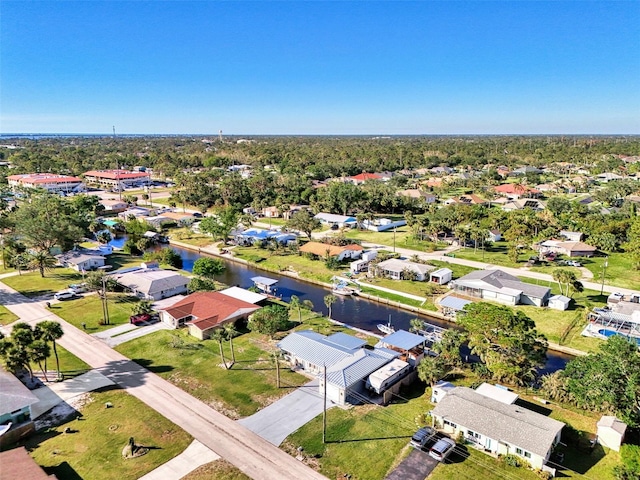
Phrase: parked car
(421, 438)
(64, 295)
(442, 449)
(78, 287)
(573, 263)
(140, 318)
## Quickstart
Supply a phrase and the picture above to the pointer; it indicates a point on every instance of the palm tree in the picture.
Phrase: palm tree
(328, 301)
(39, 351)
(430, 370)
(218, 336)
(416, 325)
(51, 331)
(295, 303)
(231, 332)
(42, 260)
(307, 305)
(142, 307)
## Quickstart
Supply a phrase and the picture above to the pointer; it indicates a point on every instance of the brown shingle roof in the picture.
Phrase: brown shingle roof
(212, 308)
(321, 249)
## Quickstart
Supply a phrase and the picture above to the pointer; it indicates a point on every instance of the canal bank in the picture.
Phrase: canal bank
(364, 312)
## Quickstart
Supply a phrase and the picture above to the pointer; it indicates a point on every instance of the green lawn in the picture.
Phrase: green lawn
(93, 449)
(88, 310)
(31, 284)
(119, 260)
(365, 441)
(195, 367)
(7, 317)
(70, 365)
(619, 271)
(186, 235)
(495, 254)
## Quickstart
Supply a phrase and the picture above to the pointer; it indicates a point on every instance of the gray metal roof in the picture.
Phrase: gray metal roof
(314, 348)
(355, 368)
(511, 424)
(499, 281)
(455, 303)
(264, 280)
(151, 280)
(344, 340)
(404, 340)
(13, 394)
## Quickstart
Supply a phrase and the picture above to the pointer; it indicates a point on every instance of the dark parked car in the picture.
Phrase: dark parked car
(421, 438)
(139, 319)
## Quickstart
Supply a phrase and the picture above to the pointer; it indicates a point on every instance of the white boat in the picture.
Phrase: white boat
(342, 291)
(5, 428)
(388, 328)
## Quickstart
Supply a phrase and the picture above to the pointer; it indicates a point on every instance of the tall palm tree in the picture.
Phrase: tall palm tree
(295, 303)
(51, 331)
(416, 325)
(231, 332)
(41, 260)
(39, 351)
(218, 336)
(328, 301)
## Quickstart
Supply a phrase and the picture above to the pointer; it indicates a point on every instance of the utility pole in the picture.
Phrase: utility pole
(604, 272)
(275, 357)
(324, 408)
(394, 239)
(105, 306)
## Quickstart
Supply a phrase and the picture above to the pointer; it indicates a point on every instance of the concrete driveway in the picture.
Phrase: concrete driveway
(54, 393)
(417, 466)
(280, 419)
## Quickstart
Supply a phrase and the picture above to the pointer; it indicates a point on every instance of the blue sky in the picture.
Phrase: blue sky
(276, 67)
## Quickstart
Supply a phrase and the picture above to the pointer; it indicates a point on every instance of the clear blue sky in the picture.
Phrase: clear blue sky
(360, 67)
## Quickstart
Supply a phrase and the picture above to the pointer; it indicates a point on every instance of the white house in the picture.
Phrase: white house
(15, 409)
(348, 364)
(395, 269)
(81, 260)
(339, 220)
(497, 427)
(501, 287)
(152, 283)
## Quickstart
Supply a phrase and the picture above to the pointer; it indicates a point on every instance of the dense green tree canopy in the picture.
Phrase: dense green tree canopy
(506, 341)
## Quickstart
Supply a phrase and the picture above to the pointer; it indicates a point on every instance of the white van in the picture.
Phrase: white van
(64, 295)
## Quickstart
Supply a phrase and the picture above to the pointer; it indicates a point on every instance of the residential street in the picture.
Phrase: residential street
(253, 455)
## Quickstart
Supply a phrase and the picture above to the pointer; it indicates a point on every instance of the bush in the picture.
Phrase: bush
(629, 468)
(543, 474)
(512, 460)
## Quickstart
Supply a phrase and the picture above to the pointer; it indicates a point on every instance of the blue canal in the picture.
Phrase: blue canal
(354, 311)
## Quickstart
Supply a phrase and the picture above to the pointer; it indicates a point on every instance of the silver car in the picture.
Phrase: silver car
(442, 449)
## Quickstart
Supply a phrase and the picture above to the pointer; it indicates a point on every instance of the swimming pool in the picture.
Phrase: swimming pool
(610, 333)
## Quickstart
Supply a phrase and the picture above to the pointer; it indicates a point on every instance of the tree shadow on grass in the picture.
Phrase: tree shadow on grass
(369, 439)
(536, 407)
(63, 470)
(148, 364)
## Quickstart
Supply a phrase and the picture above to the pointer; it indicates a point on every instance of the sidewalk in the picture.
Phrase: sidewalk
(194, 456)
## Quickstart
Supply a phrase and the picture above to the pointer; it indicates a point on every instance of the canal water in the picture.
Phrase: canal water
(355, 311)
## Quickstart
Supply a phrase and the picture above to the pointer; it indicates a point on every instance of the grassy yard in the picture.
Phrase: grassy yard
(119, 260)
(94, 448)
(186, 235)
(88, 310)
(218, 470)
(365, 441)
(195, 367)
(7, 317)
(495, 254)
(619, 271)
(31, 284)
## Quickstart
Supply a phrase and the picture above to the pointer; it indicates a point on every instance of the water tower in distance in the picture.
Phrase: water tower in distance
(220, 135)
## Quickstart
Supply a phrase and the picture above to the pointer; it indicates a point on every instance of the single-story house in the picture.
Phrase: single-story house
(81, 260)
(323, 249)
(570, 249)
(522, 203)
(559, 302)
(451, 305)
(137, 212)
(514, 191)
(271, 212)
(152, 283)
(365, 177)
(348, 364)
(441, 276)
(395, 269)
(440, 389)
(251, 236)
(15, 409)
(497, 427)
(470, 199)
(383, 224)
(182, 219)
(114, 206)
(421, 195)
(494, 235)
(339, 220)
(203, 312)
(501, 287)
(611, 432)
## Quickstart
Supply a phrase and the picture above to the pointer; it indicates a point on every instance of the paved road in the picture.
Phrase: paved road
(283, 417)
(253, 455)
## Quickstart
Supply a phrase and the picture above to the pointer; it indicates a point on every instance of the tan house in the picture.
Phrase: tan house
(570, 249)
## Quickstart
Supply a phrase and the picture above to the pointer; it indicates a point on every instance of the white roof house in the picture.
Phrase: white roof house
(395, 267)
(501, 287)
(496, 426)
(348, 364)
(332, 219)
(559, 302)
(80, 260)
(244, 295)
(153, 283)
